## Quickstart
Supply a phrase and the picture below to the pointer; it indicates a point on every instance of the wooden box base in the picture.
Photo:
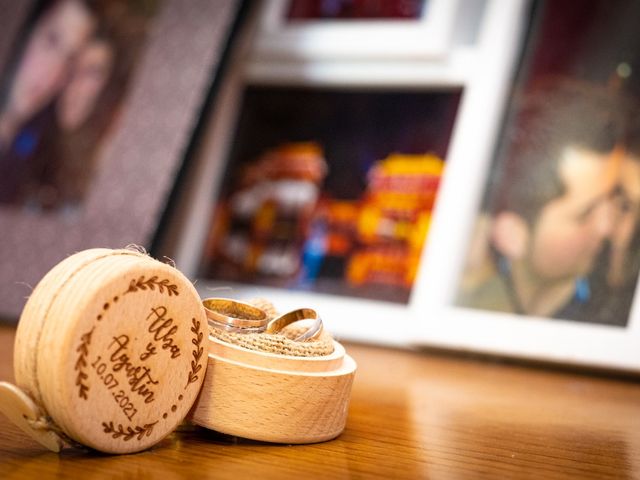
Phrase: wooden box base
(274, 398)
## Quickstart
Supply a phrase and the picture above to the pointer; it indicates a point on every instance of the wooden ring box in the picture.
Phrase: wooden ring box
(275, 398)
(111, 350)
(111, 353)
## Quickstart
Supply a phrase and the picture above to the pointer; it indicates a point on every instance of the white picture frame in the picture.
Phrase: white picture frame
(441, 323)
(354, 318)
(426, 38)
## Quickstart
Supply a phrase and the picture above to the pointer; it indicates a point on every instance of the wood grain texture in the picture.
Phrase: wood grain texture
(24, 413)
(112, 346)
(25, 357)
(411, 416)
(275, 398)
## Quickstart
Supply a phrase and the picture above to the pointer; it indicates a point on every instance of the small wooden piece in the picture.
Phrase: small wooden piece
(24, 413)
(275, 398)
(111, 348)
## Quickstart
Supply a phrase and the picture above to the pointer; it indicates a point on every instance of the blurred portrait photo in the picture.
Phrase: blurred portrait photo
(558, 231)
(60, 94)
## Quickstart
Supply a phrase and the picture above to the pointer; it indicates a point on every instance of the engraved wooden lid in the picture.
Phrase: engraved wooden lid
(111, 346)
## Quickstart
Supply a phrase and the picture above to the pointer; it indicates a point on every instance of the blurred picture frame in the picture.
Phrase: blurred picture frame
(356, 317)
(595, 321)
(105, 183)
(318, 30)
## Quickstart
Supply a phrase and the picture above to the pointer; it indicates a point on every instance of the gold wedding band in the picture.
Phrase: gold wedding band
(311, 333)
(234, 316)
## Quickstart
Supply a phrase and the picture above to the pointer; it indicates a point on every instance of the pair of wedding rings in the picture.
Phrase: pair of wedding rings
(234, 316)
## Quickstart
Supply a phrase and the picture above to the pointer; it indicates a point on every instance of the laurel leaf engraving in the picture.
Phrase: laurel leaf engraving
(151, 284)
(81, 362)
(196, 353)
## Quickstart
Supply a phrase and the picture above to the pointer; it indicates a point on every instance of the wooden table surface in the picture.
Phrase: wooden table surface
(412, 415)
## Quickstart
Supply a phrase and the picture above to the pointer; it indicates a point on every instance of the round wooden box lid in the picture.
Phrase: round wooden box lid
(111, 345)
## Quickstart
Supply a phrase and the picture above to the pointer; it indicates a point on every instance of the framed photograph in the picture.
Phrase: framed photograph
(312, 193)
(547, 263)
(97, 103)
(357, 30)
(314, 197)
